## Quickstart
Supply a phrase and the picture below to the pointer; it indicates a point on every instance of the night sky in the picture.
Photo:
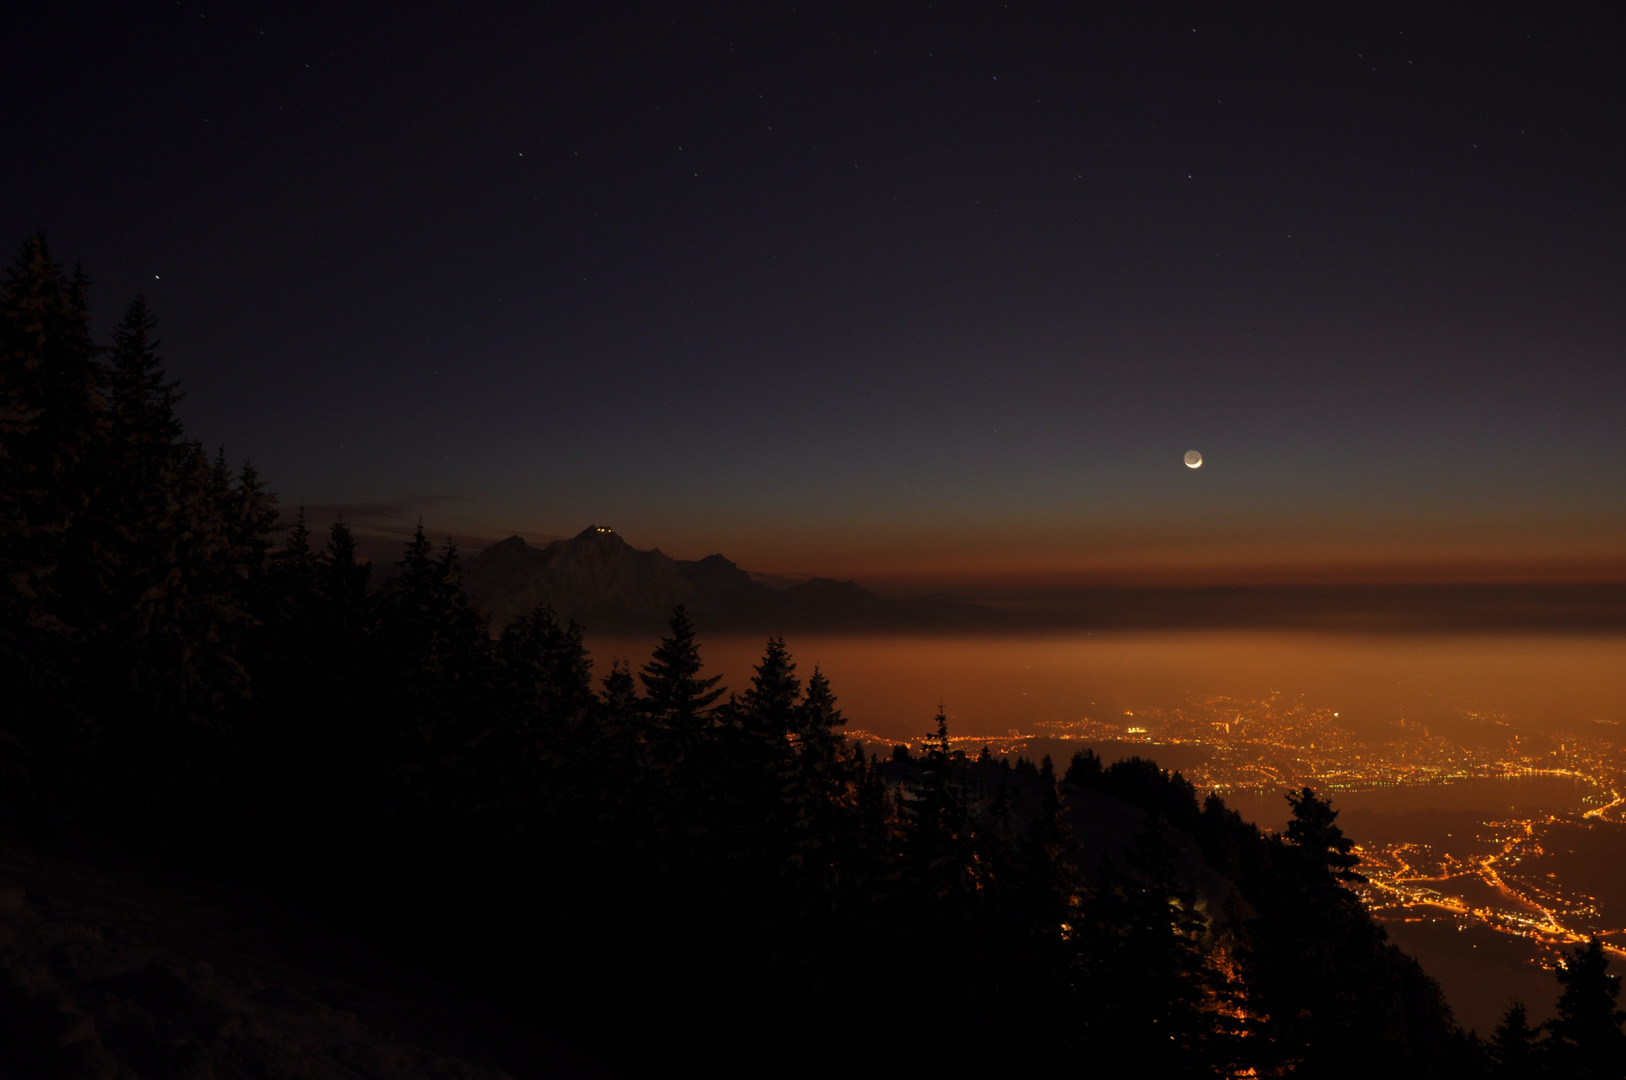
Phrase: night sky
(928, 294)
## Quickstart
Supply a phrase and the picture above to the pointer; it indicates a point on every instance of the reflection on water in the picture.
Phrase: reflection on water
(1550, 794)
(892, 685)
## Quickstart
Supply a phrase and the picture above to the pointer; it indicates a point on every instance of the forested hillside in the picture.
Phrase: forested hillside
(642, 862)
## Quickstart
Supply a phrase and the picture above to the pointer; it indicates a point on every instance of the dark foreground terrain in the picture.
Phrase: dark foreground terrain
(115, 971)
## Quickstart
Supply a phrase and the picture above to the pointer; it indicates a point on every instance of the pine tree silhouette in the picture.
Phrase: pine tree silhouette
(676, 697)
(769, 705)
(432, 653)
(620, 695)
(544, 675)
(1084, 770)
(142, 433)
(1586, 1036)
(50, 424)
(818, 787)
(525, 769)
(939, 834)
(1314, 831)
(1515, 1046)
(344, 582)
(50, 388)
(144, 427)
(1151, 981)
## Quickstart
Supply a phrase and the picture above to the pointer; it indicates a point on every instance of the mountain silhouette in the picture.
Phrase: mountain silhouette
(606, 584)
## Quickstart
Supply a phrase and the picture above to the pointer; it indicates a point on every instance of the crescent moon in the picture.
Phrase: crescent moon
(1194, 460)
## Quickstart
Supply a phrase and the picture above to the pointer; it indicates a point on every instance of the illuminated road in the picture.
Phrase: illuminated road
(1398, 883)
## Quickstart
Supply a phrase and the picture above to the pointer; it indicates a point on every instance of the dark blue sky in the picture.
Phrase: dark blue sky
(938, 292)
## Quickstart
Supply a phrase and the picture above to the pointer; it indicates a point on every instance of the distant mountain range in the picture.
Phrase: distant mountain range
(607, 585)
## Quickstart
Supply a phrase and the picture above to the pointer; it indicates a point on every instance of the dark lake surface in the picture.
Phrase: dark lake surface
(1481, 970)
(1376, 815)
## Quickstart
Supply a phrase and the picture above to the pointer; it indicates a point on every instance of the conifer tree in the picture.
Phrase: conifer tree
(49, 412)
(1315, 832)
(143, 426)
(1052, 881)
(544, 693)
(296, 546)
(1150, 980)
(939, 835)
(117, 554)
(252, 521)
(538, 732)
(769, 705)
(290, 646)
(1586, 1037)
(329, 640)
(1029, 895)
(344, 581)
(1340, 998)
(1084, 770)
(422, 701)
(544, 672)
(291, 739)
(182, 679)
(620, 695)
(817, 791)
(621, 752)
(816, 728)
(677, 698)
(50, 424)
(1515, 1046)
(871, 823)
(296, 572)
(50, 384)
(434, 650)
(187, 628)
(51, 418)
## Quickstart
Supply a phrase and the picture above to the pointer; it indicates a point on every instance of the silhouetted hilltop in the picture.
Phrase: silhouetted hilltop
(1103, 828)
(602, 582)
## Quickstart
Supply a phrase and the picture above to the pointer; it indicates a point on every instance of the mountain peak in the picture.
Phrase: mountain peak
(598, 538)
(601, 581)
